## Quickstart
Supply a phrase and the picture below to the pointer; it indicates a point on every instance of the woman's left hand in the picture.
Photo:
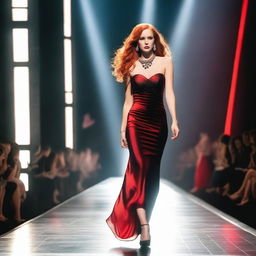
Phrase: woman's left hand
(175, 130)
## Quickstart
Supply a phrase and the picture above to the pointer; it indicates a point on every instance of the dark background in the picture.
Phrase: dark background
(202, 75)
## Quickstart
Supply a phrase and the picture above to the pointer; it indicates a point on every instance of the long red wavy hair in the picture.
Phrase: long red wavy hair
(125, 56)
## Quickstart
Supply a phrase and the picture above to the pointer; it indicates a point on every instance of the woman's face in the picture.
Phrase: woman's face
(146, 40)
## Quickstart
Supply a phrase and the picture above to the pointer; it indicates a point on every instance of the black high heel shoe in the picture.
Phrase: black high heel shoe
(145, 242)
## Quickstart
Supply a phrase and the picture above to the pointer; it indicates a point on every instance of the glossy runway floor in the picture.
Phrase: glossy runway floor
(181, 224)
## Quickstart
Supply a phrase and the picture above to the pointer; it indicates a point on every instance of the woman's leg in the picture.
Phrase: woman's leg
(22, 191)
(240, 191)
(253, 187)
(16, 199)
(142, 215)
(2, 193)
(213, 186)
(246, 194)
(143, 220)
(250, 189)
(152, 185)
(226, 189)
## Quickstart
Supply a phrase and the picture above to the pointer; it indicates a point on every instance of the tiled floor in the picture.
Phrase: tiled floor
(180, 225)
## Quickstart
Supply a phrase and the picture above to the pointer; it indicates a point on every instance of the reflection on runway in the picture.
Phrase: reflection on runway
(180, 225)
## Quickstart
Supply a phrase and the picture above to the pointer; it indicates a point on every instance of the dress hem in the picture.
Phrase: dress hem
(111, 226)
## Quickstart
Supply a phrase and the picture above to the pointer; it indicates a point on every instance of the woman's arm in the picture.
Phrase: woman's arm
(13, 172)
(170, 96)
(3, 166)
(169, 92)
(127, 105)
(17, 175)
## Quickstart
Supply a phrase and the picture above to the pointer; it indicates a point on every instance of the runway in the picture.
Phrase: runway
(180, 224)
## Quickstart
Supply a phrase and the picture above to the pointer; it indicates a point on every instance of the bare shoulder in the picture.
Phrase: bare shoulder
(165, 60)
(168, 60)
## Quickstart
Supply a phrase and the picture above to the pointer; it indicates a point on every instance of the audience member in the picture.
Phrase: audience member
(204, 167)
(222, 163)
(248, 187)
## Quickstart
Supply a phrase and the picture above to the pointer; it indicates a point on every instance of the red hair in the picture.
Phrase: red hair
(126, 55)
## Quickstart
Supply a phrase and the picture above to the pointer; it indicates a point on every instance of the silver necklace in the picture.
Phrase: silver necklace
(146, 63)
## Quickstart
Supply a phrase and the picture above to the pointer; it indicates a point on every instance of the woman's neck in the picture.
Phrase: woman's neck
(146, 55)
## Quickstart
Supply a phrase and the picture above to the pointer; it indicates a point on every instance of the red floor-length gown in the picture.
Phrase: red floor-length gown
(146, 134)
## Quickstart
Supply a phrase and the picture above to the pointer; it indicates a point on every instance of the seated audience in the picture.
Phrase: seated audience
(248, 187)
(240, 155)
(14, 192)
(54, 176)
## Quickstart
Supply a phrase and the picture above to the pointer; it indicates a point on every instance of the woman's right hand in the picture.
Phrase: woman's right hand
(123, 140)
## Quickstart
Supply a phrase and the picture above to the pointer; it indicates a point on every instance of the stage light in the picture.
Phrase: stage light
(69, 97)
(232, 93)
(69, 131)
(19, 3)
(24, 179)
(24, 158)
(67, 17)
(148, 12)
(21, 80)
(178, 38)
(69, 127)
(19, 14)
(21, 105)
(20, 44)
(104, 79)
(68, 65)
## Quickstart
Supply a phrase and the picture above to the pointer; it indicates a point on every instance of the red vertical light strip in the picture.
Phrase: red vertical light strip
(232, 93)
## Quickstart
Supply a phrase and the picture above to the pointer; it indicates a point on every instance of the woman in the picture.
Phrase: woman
(144, 64)
(222, 162)
(203, 170)
(240, 156)
(248, 187)
(12, 174)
